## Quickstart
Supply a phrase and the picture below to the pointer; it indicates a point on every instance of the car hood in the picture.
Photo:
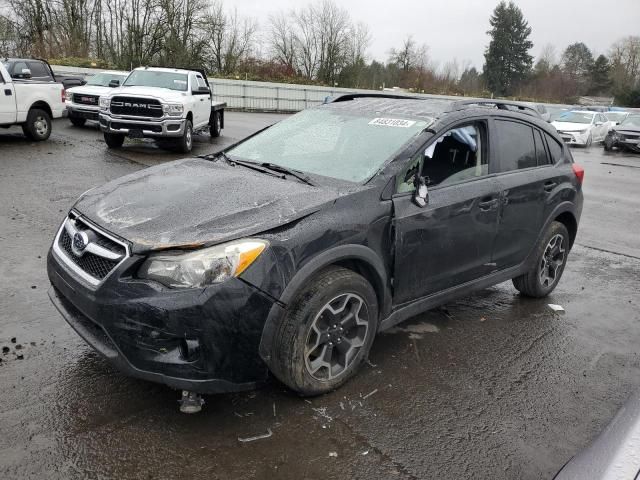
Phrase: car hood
(165, 94)
(570, 127)
(625, 129)
(90, 90)
(197, 202)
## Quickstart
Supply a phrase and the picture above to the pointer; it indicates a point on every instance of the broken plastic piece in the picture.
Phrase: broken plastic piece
(257, 437)
(333, 454)
(556, 308)
(369, 394)
(190, 402)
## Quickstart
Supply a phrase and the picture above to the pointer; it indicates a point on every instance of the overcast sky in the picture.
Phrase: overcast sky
(457, 28)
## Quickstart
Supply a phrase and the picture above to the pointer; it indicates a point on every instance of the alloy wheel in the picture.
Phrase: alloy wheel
(552, 260)
(336, 335)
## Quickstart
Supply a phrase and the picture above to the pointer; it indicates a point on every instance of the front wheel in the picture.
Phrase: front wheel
(608, 144)
(326, 333)
(185, 143)
(589, 141)
(551, 258)
(113, 140)
(38, 125)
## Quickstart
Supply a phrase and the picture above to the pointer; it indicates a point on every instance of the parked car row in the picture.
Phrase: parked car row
(166, 104)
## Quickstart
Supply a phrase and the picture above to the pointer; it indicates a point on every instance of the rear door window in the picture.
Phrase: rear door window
(38, 70)
(541, 152)
(555, 149)
(515, 146)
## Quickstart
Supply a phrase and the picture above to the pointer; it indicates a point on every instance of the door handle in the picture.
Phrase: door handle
(8, 92)
(549, 186)
(487, 203)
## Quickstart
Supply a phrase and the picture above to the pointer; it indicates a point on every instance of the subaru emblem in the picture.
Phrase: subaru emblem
(79, 243)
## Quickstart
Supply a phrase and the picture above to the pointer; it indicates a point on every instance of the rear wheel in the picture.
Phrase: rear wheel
(215, 128)
(327, 333)
(78, 122)
(38, 125)
(551, 258)
(113, 140)
(185, 143)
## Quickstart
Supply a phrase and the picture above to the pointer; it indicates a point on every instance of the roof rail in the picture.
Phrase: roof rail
(500, 105)
(352, 96)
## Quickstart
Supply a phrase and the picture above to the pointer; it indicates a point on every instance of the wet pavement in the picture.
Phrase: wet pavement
(492, 386)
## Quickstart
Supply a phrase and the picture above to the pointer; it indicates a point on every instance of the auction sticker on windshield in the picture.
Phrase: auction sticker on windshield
(392, 122)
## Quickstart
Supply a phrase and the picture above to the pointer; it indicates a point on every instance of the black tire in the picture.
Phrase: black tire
(589, 141)
(78, 122)
(293, 354)
(538, 283)
(608, 144)
(215, 128)
(38, 125)
(113, 140)
(185, 143)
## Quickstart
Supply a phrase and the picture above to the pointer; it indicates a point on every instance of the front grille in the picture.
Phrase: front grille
(85, 99)
(92, 261)
(137, 107)
(136, 126)
(94, 265)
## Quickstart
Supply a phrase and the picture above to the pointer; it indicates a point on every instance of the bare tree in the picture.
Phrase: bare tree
(230, 38)
(282, 40)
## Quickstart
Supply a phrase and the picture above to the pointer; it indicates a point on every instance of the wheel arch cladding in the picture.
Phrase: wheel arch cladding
(569, 220)
(358, 258)
(42, 106)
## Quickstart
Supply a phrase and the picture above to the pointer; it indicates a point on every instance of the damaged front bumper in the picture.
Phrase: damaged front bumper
(575, 138)
(203, 340)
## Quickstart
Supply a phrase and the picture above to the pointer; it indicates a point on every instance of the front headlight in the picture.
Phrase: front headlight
(582, 132)
(202, 267)
(105, 103)
(175, 110)
(68, 95)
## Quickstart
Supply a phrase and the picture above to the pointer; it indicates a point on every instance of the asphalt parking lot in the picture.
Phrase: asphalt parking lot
(492, 386)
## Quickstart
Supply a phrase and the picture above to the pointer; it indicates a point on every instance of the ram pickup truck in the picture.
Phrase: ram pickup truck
(83, 101)
(30, 104)
(167, 104)
(38, 71)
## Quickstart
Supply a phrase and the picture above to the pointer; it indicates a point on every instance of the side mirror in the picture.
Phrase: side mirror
(25, 73)
(421, 193)
(202, 91)
(114, 83)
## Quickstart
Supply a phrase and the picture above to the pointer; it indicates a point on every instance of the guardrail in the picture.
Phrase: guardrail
(248, 95)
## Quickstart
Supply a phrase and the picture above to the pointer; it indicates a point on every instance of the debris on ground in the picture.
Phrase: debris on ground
(6, 349)
(257, 437)
(13, 340)
(366, 452)
(333, 454)
(556, 308)
(322, 412)
(274, 409)
(369, 394)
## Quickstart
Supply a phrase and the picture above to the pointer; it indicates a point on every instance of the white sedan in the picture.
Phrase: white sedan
(582, 127)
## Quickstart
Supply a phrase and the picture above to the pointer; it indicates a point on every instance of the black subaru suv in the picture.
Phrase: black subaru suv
(290, 250)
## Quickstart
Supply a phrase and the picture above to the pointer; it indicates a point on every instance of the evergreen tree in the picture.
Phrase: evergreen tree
(507, 59)
(600, 76)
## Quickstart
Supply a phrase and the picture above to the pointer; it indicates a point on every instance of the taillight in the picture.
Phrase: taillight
(64, 95)
(579, 172)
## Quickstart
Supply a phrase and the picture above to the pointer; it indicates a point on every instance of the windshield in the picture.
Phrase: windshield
(332, 143)
(151, 78)
(631, 121)
(616, 116)
(576, 117)
(103, 79)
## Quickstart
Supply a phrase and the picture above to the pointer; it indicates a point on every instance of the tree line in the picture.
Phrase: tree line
(317, 42)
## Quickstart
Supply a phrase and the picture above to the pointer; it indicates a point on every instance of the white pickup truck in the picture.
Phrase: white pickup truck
(167, 104)
(30, 104)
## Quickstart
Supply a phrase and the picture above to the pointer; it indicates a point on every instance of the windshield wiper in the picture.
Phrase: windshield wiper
(294, 173)
(251, 165)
